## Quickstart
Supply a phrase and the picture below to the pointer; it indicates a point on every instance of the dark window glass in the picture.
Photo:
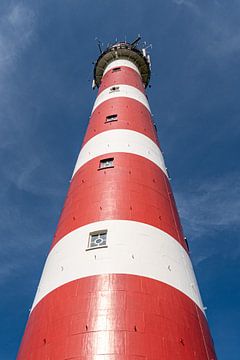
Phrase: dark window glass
(116, 69)
(114, 88)
(112, 117)
(106, 163)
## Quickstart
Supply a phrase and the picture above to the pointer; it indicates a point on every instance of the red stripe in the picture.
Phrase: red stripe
(116, 317)
(126, 76)
(132, 115)
(134, 189)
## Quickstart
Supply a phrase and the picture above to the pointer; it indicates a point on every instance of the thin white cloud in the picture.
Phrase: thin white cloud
(17, 24)
(220, 35)
(29, 176)
(16, 32)
(21, 254)
(209, 210)
(211, 206)
(6, 270)
(225, 40)
(188, 3)
(184, 2)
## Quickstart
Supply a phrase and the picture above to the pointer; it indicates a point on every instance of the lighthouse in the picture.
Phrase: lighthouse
(118, 282)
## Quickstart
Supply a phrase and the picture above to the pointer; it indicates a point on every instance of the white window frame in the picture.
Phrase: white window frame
(99, 234)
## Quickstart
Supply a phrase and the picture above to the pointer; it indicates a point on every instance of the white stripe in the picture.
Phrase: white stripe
(120, 140)
(133, 248)
(124, 91)
(119, 63)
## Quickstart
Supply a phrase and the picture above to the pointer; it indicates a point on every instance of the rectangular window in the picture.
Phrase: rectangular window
(97, 239)
(116, 69)
(112, 117)
(106, 163)
(114, 89)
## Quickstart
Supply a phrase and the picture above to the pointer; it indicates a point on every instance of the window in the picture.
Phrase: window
(114, 88)
(97, 239)
(112, 117)
(106, 163)
(116, 69)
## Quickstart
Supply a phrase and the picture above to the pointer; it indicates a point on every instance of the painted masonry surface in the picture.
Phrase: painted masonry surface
(118, 281)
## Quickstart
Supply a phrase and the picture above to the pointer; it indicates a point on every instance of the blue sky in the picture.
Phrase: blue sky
(46, 54)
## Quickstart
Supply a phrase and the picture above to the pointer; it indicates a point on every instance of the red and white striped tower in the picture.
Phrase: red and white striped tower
(118, 281)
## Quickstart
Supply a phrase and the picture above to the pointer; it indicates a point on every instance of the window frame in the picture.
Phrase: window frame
(114, 89)
(99, 233)
(110, 159)
(111, 118)
(116, 69)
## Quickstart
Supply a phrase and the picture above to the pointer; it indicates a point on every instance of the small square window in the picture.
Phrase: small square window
(114, 88)
(112, 117)
(97, 239)
(116, 69)
(106, 163)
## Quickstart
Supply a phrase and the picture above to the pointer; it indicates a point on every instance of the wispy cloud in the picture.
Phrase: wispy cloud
(211, 206)
(16, 32)
(30, 176)
(192, 4)
(184, 2)
(220, 34)
(22, 254)
(225, 38)
(17, 24)
(209, 211)
(21, 166)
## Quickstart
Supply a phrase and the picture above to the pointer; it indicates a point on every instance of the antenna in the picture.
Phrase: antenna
(134, 43)
(149, 46)
(99, 44)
